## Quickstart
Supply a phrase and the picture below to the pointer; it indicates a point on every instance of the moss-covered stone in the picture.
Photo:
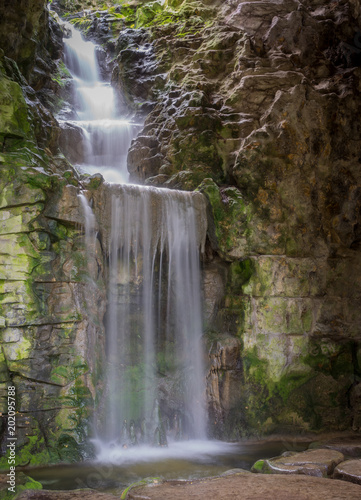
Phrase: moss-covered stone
(14, 120)
(232, 219)
(146, 14)
(23, 482)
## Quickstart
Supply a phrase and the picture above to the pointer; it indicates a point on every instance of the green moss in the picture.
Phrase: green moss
(65, 374)
(187, 180)
(240, 274)
(23, 482)
(81, 23)
(146, 14)
(14, 119)
(258, 466)
(31, 484)
(79, 401)
(142, 482)
(306, 393)
(34, 452)
(232, 218)
(68, 449)
(94, 182)
(184, 15)
(329, 357)
(255, 367)
(62, 75)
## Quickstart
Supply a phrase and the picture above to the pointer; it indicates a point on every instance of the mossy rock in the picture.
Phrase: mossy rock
(23, 482)
(68, 449)
(34, 452)
(147, 13)
(14, 120)
(231, 218)
(142, 482)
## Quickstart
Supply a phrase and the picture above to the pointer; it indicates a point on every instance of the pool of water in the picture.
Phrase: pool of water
(116, 468)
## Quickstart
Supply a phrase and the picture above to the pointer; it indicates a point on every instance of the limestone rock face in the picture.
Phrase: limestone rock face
(52, 340)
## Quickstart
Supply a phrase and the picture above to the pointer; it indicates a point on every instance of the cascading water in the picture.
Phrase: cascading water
(155, 316)
(106, 135)
(155, 376)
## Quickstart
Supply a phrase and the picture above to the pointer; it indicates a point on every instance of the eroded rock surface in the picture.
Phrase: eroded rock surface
(255, 106)
(348, 445)
(251, 487)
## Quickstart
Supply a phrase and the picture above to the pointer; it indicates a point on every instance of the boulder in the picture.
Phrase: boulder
(350, 470)
(320, 463)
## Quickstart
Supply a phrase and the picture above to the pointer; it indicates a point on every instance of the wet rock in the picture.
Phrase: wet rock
(13, 110)
(45, 312)
(71, 142)
(18, 29)
(231, 472)
(355, 399)
(66, 206)
(320, 463)
(349, 471)
(214, 288)
(223, 380)
(136, 69)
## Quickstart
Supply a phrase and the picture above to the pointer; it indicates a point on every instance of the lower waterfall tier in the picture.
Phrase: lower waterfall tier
(154, 321)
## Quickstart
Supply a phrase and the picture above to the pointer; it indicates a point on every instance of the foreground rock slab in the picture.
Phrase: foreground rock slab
(250, 487)
(85, 494)
(319, 463)
(349, 471)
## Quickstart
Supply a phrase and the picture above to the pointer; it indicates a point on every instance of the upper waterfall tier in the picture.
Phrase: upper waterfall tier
(98, 139)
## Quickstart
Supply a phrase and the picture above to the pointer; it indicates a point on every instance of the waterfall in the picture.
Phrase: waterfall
(106, 136)
(154, 323)
(155, 380)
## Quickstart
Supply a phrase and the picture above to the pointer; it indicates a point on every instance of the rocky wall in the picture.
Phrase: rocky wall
(52, 342)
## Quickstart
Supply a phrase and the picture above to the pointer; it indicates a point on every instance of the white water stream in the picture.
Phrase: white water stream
(154, 323)
(155, 378)
(106, 135)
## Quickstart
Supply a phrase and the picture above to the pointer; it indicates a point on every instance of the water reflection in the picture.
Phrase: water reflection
(114, 471)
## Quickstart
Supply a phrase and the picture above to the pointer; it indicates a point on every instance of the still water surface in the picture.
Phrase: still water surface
(116, 469)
